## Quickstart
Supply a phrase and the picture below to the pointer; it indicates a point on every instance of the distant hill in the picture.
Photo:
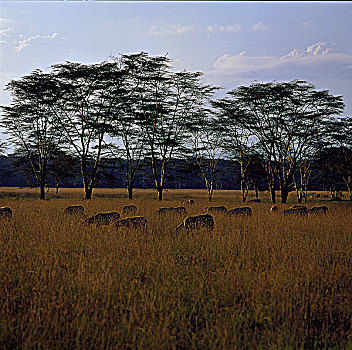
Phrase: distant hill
(181, 175)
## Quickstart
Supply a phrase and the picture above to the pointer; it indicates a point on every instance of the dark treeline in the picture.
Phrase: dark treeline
(134, 122)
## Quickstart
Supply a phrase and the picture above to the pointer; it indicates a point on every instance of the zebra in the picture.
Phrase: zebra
(274, 209)
(175, 210)
(247, 211)
(299, 207)
(74, 210)
(296, 211)
(133, 222)
(194, 222)
(102, 218)
(318, 210)
(5, 212)
(129, 209)
(218, 210)
(189, 201)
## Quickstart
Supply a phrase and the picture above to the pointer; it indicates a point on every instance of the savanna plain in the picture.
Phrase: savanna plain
(263, 282)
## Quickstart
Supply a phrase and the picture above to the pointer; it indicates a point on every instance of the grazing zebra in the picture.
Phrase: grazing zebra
(255, 201)
(303, 211)
(133, 222)
(318, 210)
(74, 210)
(247, 211)
(5, 212)
(129, 209)
(195, 222)
(174, 210)
(189, 201)
(217, 210)
(102, 219)
(299, 207)
(274, 209)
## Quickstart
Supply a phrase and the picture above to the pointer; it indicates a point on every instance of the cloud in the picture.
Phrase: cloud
(5, 32)
(319, 58)
(171, 29)
(317, 49)
(260, 26)
(21, 44)
(230, 28)
(5, 20)
(306, 23)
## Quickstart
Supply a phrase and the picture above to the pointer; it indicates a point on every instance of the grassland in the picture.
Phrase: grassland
(266, 282)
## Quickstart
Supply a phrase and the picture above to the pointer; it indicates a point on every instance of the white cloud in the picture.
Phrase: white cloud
(26, 41)
(5, 32)
(260, 26)
(5, 20)
(313, 50)
(230, 28)
(171, 29)
(319, 58)
(306, 23)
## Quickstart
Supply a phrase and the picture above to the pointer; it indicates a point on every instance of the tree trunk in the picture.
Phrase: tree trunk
(88, 192)
(210, 197)
(243, 190)
(130, 194)
(160, 193)
(57, 185)
(273, 196)
(284, 194)
(256, 191)
(42, 191)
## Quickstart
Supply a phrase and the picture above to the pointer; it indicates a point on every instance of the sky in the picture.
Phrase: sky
(232, 43)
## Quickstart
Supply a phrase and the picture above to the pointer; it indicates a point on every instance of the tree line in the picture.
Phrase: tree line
(136, 113)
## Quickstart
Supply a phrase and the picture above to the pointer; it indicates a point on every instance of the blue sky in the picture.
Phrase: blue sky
(233, 43)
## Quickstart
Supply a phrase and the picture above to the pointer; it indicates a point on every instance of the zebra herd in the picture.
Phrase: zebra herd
(189, 223)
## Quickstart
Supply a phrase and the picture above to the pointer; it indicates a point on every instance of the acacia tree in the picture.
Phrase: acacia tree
(30, 122)
(238, 144)
(167, 103)
(326, 163)
(62, 167)
(287, 120)
(207, 148)
(129, 149)
(338, 161)
(89, 94)
(344, 163)
(256, 173)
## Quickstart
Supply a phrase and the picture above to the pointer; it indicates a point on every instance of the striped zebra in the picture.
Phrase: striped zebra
(196, 222)
(74, 210)
(172, 210)
(102, 219)
(5, 212)
(129, 209)
(318, 210)
(216, 210)
(302, 211)
(135, 222)
(246, 211)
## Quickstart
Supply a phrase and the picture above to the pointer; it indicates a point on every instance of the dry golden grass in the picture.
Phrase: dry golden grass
(269, 281)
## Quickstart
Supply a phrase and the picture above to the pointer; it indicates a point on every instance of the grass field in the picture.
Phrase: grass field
(265, 282)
